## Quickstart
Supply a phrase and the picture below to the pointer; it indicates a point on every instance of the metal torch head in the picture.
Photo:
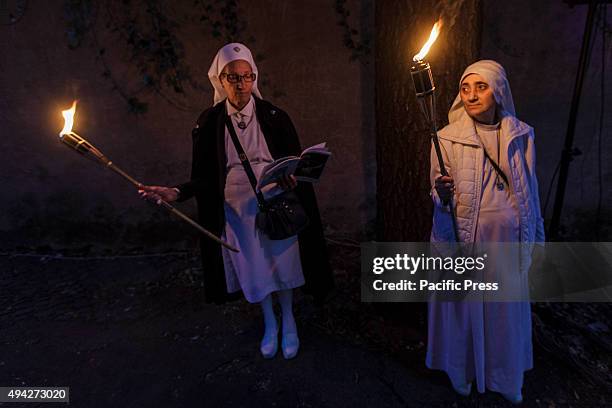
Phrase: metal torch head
(422, 78)
(424, 88)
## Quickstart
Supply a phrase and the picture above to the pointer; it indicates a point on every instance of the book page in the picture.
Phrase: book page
(274, 171)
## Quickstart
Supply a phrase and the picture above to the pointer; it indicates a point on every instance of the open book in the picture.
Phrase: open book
(307, 167)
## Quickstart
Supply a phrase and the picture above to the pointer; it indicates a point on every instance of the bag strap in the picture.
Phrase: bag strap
(496, 167)
(261, 202)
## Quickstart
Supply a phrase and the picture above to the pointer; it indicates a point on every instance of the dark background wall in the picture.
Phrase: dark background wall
(53, 197)
(539, 43)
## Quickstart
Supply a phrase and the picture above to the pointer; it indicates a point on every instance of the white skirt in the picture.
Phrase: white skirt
(263, 265)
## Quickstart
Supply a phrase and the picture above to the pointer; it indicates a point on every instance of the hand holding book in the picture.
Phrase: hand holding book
(307, 167)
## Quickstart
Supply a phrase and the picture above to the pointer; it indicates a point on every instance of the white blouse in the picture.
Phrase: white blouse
(251, 137)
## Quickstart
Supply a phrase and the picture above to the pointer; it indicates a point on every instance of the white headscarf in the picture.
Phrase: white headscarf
(495, 76)
(230, 52)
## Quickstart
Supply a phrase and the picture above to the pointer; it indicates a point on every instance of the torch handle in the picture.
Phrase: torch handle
(197, 226)
(436, 143)
(173, 210)
(453, 218)
(123, 174)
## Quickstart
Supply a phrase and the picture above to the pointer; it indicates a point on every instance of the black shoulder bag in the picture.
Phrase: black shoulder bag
(281, 216)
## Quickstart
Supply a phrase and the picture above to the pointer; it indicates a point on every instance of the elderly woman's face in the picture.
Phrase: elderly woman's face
(237, 79)
(478, 99)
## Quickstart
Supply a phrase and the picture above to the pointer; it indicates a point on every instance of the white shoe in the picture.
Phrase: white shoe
(269, 344)
(290, 345)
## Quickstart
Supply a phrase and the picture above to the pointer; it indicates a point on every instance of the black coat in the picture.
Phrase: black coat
(207, 185)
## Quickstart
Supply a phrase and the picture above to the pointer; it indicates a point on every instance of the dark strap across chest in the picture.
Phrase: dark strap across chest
(496, 167)
(261, 202)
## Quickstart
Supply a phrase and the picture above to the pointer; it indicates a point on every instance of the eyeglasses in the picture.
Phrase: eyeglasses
(235, 78)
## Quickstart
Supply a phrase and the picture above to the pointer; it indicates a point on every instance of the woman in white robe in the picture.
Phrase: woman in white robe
(263, 266)
(471, 340)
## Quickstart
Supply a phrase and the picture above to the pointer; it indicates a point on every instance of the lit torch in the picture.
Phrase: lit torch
(424, 87)
(78, 143)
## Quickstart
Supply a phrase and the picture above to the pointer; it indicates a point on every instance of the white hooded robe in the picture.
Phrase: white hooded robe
(475, 340)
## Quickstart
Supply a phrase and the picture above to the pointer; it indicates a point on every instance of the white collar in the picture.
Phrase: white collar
(246, 111)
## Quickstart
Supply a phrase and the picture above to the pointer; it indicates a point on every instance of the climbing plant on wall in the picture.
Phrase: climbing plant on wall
(149, 32)
(357, 41)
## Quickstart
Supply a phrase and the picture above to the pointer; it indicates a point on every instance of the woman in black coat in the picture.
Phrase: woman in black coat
(234, 77)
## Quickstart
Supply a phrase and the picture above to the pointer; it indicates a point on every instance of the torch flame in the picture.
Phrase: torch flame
(435, 31)
(68, 119)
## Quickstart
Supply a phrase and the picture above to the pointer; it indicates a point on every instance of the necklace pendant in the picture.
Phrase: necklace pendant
(242, 125)
(500, 186)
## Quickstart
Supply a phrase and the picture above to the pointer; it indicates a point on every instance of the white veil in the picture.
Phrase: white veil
(230, 52)
(495, 75)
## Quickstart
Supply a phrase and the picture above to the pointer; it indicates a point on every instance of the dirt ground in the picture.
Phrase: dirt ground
(134, 331)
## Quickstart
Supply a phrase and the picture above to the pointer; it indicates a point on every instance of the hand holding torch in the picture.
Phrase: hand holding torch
(78, 143)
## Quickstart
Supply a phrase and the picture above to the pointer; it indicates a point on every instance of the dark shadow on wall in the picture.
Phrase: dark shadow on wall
(368, 122)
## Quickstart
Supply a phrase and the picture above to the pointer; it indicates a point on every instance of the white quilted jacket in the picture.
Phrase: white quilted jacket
(464, 160)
